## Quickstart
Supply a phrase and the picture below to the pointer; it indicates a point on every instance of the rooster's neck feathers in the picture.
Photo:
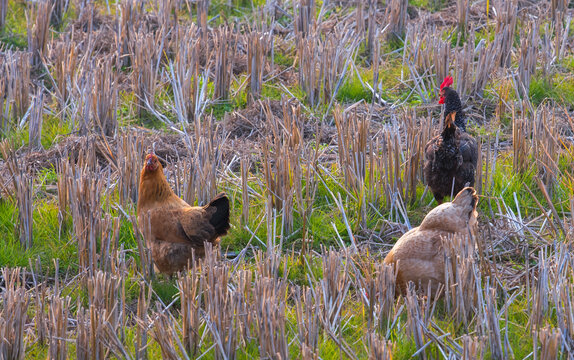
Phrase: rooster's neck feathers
(452, 103)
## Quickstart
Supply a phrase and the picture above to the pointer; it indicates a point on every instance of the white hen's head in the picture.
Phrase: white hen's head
(455, 216)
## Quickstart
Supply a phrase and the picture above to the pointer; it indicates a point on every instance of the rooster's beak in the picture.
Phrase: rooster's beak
(149, 162)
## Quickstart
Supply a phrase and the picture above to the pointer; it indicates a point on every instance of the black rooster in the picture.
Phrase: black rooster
(450, 160)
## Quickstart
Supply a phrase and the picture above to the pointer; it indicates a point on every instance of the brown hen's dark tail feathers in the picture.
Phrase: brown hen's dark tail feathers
(220, 218)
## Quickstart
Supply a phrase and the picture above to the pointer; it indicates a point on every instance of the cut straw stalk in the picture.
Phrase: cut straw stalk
(23, 186)
(13, 315)
(38, 22)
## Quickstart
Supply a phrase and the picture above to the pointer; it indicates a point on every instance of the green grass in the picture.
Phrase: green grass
(353, 91)
(557, 87)
(15, 31)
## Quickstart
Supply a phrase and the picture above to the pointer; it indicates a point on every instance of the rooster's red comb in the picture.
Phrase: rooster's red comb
(446, 82)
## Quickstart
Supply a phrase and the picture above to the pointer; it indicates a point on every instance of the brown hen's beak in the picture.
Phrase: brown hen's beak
(149, 162)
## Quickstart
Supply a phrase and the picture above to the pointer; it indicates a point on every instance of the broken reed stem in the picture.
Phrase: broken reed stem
(461, 272)
(39, 295)
(396, 16)
(269, 295)
(462, 10)
(38, 23)
(24, 194)
(305, 18)
(62, 171)
(104, 99)
(474, 67)
(147, 49)
(189, 284)
(258, 45)
(307, 310)
(126, 160)
(3, 13)
(417, 321)
(376, 286)
(102, 324)
(16, 81)
(334, 288)
(472, 347)
(550, 346)
(85, 188)
(63, 63)
(545, 146)
(521, 131)
(310, 178)
(282, 166)
(58, 314)
(107, 292)
(165, 335)
(35, 120)
(245, 163)
(141, 341)
(380, 349)
(142, 232)
(59, 9)
(13, 315)
(353, 143)
(201, 169)
(225, 41)
(528, 57)
(221, 304)
(184, 76)
(202, 13)
(389, 173)
(128, 18)
(506, 17)
(323, 64)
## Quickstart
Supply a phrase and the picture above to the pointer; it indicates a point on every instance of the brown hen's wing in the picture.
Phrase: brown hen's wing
(183, 225)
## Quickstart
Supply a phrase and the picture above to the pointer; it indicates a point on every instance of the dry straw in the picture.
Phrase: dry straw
(184, 76)
(3, 13)
(258, 46)
(396, 16)
(104, 97)
(308, 326)
(35, 120)
(58, 315)
(225, 42)
(13, 315)
(23, 186)
(16, 87)
(147, 50)
(190, 297)
(506, 18)
(38, 24)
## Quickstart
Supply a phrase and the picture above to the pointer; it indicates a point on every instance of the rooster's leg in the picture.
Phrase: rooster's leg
(439, 198)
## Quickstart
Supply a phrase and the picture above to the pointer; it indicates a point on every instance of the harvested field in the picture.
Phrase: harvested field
(314, 118)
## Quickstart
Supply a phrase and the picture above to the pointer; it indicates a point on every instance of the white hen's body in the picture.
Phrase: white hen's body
(419, 253)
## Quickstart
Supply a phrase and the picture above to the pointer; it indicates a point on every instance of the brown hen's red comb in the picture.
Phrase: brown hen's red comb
(446, 82)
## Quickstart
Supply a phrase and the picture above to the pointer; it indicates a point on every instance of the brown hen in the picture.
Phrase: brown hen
(176, 229)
